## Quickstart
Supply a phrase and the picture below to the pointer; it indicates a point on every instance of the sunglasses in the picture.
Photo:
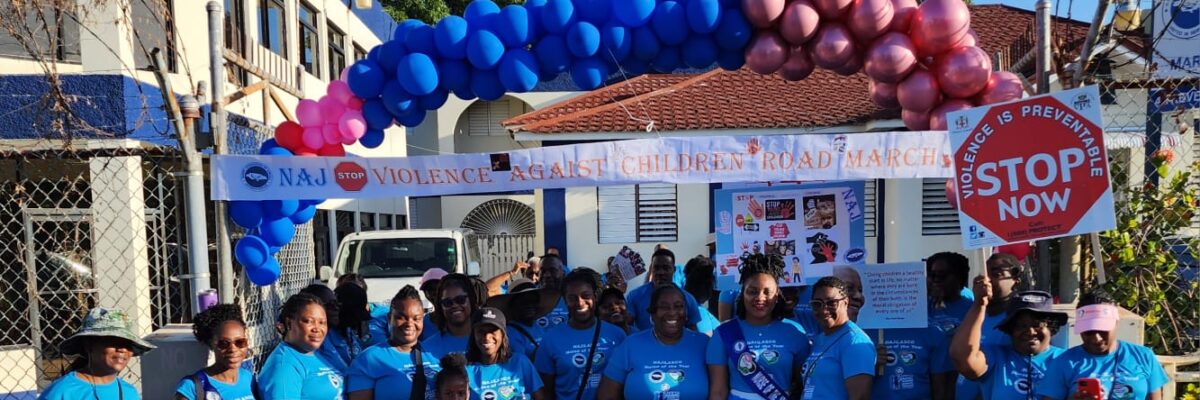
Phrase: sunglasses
(460, 300)
(225, 344)
(830, 303)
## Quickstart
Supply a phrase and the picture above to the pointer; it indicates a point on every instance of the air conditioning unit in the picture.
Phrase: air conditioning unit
(178, 355)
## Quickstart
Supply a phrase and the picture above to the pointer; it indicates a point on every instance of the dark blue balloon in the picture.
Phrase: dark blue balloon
(733, 33)
(376, 114)
(583, 39)
(589, 74)
(273, 209)
(645, 44)
(519, 71)
(731, 60)
(632, 67)
(487, 85)
(667, 60)
(595, 11)
(267, 146)
(703, 16)
(514, 27)
(397, 100)
(264, 274)
(454, 75)
(433, 100)
(557, 16)
(365, 79)
(633, 13)
(482, 14)
(372, 139)
(420, 39)
(251, 251)
(464, 93)
(617, 42)
(402, 30)
(484, 50)
(534, 9)
(246, 214)
(670, 23)
(451, 37)
(411, 119)
(278, 151)
(307, 212)
(699, 52)
(390, 53)
(552, 55)
(277, 232)
(418, 74)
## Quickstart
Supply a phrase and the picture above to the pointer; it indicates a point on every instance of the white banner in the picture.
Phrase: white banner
(859, 156)
(1177, 39)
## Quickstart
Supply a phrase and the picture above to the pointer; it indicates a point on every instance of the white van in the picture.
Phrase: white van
(389, 260)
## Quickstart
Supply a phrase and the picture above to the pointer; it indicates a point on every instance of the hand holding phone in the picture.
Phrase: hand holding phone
(1088, 388)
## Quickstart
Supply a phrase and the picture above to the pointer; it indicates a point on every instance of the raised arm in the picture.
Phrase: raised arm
(965, 349)
(495, 284)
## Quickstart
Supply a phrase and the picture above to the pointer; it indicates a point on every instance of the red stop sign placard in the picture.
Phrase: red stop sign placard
(350, 176)
(1032, 169)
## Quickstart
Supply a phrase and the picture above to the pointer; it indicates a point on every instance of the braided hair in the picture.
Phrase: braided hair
(771, 265)
(206, 324)
(454, 366)
(460, 281)
(583, 275)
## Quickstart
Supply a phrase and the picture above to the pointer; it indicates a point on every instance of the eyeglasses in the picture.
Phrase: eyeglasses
(830, 303)
(225, 344)
(460, 300)
(1035, 325)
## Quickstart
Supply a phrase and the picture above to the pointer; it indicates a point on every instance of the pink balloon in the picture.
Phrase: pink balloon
(353, 124)
(852, 66)
(331, 109)
(330, 133)
(952, 193)
(308, 112)
(798, 66)
(937, 117)
(883, 94)
(903, 12)
(939, 24)
(340, 91)
(831, 10)
(870, 18)
(354, 103)
(348, 139)
(762, 13)
(919, 92)
(915, 120)
(799, 22)
(1002, 86)
(963, 71)
(891, 58)
(313, 138)
(833, 46)
(968, 40)
(345, 74)
(767, 52)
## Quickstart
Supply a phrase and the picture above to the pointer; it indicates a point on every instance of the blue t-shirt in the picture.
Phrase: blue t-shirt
(913, 355)
(428, 329)
(72, 387)
(377, 327)
(564, 355)
(290, 374)
(708, 322)
(520, 343)
(966, 389)
(340, 348)
(1130, 372)
(948, 318)
(242, 390)
(779, 347)
(845, 353)
(389, 372)
(1011, 375)
(556, 316)
(444, 343)
(652, 370)
(513, 380)
(638, 301)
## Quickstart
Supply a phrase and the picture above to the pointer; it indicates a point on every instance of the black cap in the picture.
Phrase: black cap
(489, 316)
(1031, 301)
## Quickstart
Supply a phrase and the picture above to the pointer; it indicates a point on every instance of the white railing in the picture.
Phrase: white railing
(500, 252)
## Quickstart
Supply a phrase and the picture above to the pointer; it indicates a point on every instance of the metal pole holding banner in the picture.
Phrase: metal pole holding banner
(1043, 86)
(216, 62)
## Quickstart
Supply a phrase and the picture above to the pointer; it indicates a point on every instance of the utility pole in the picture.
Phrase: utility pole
(1042, 79)
(216, 62)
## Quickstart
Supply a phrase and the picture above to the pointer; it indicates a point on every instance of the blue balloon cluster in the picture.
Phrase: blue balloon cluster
(490, 51)
(271, 224)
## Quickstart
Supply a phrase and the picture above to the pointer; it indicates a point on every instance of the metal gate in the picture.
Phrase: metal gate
(498, 253)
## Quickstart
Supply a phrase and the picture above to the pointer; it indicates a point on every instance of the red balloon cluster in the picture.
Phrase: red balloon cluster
(324, 126)
(922, 59)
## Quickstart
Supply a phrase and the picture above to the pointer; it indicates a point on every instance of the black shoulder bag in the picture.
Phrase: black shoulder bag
(419, 380)
(587, 369)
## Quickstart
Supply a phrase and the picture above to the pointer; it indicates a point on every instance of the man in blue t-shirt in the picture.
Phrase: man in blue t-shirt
(949, 298)
(914, 364)
(662, 269)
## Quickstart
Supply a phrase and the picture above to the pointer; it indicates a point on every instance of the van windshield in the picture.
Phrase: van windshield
(398, 257)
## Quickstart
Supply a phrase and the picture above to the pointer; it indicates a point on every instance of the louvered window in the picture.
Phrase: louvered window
(639, 213)
(869, 204)
(937, 217)
(484, 118)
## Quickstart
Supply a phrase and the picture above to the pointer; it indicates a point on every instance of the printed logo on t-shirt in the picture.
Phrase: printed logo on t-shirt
(740, 346)
(901, 382)
(746, 365)
(770, 357)
(489, 395)
(1122, 391)
(212, 396)
(891, 358)
(1023, 386)
(908, 357)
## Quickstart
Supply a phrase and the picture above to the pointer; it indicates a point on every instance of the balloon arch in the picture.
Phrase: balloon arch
(921, 59)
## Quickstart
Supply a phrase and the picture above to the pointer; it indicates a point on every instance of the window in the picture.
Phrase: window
(869, 204)
(654, 209)
(366, 222)
(235, 25)
(310, 41)
(345, 224)
(52, 32)
(937, 217)
(401, 221)
(359, 52)
(152, 28)
(398, 257)
(385, 222)
(483, 118)
(337, 51)
(321, 243)
(274, 31)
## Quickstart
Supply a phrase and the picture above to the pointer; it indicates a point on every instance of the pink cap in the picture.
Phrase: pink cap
(433, 274)
(1096, 317)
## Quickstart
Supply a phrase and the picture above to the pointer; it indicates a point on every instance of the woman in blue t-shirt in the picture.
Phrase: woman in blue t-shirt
(104, 345)
(397, 368)
(294, 370)
(350, 334)
(223, 330)
(1124, 370)
(842, 363)
(457, 299)
(613, 309)
(666, 361)
(759, 353)
(562, 359)
(495, 372)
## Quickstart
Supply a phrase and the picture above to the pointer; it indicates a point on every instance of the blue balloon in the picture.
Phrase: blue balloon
(396, 99)
(402, 30)
(246, 214)
(278, 231)
(454, 75)
(275, 250)
(390, 53)
(552, 55)
(589, 74)
(306, 212)
(633, 13)
(519, 71)
(365, 79)
(515, 27)
(731, 60)
(376, 114)
(617, 41)
(557, 16)
(484, 50)
(534, 9)
(274, 209)
(703, 16)
(267, 146)
(251, 251)
(264, 274)
(482, 14)
(411, 119)
(420, 39)
(464, 93)
(433, 100)
(645, 44)
(278, 151)
(670, 23)
(733, 33)
(372, 139)
(595, 11)
(486, 85)
(667, 60)
(633, 67)
(451, 37)
(583, 39)
(418, 74)
(699, 52)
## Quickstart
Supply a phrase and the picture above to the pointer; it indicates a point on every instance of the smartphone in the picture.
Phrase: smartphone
(1089, 388)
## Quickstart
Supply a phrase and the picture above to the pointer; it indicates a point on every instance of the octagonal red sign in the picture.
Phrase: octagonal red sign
(350, 176)
(1032, 169)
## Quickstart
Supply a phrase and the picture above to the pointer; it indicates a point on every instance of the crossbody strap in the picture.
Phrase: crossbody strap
(746, 363)
(587, 369)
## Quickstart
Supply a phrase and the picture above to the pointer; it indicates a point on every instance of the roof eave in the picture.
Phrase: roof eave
(874, 125)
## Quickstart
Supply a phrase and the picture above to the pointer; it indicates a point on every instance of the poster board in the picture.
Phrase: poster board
(894, 295)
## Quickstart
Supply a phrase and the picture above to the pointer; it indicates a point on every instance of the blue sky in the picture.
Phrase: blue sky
(1077, 9)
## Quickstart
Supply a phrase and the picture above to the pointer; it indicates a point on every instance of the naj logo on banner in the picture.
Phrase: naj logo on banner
(256, 176)
(1183, 18)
